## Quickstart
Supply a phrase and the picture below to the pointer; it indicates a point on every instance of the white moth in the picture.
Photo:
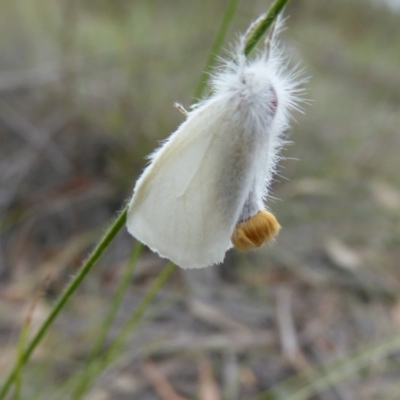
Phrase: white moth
(205, 187)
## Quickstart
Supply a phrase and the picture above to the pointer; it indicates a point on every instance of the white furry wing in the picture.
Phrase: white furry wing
(187, 202)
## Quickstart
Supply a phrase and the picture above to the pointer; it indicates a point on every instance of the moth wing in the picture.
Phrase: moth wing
(176, 208)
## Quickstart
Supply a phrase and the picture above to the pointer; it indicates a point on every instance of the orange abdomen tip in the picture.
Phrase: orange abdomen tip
(257, 230)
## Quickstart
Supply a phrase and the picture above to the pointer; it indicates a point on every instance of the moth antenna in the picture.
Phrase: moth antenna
(268, 40)
(253, 27)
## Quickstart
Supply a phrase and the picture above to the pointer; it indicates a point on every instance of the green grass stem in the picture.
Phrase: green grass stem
(264, 24)
(20, 355)
(84, 376)
(112, 353)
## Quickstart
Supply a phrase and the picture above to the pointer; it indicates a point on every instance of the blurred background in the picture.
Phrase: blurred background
(87, 91)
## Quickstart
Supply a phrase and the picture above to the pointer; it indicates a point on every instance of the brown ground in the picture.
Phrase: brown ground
(86, 91)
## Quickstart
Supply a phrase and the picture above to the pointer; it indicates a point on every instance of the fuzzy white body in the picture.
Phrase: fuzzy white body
(215, 169)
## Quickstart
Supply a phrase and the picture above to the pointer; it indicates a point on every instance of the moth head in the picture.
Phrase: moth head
(260, 88)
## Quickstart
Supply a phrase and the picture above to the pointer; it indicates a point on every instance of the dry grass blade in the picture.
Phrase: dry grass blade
(208, 388)
(160, 382)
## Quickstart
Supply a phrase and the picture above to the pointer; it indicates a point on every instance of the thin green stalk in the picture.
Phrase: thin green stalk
(117, 300)
(69, 290)
(218, 41)
(19, 367)
(96, 368)
(337, 372)
(64, 391)
(264, 24)
(84, 376)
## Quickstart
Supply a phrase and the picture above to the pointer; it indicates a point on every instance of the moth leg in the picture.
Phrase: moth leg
(181, 109)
